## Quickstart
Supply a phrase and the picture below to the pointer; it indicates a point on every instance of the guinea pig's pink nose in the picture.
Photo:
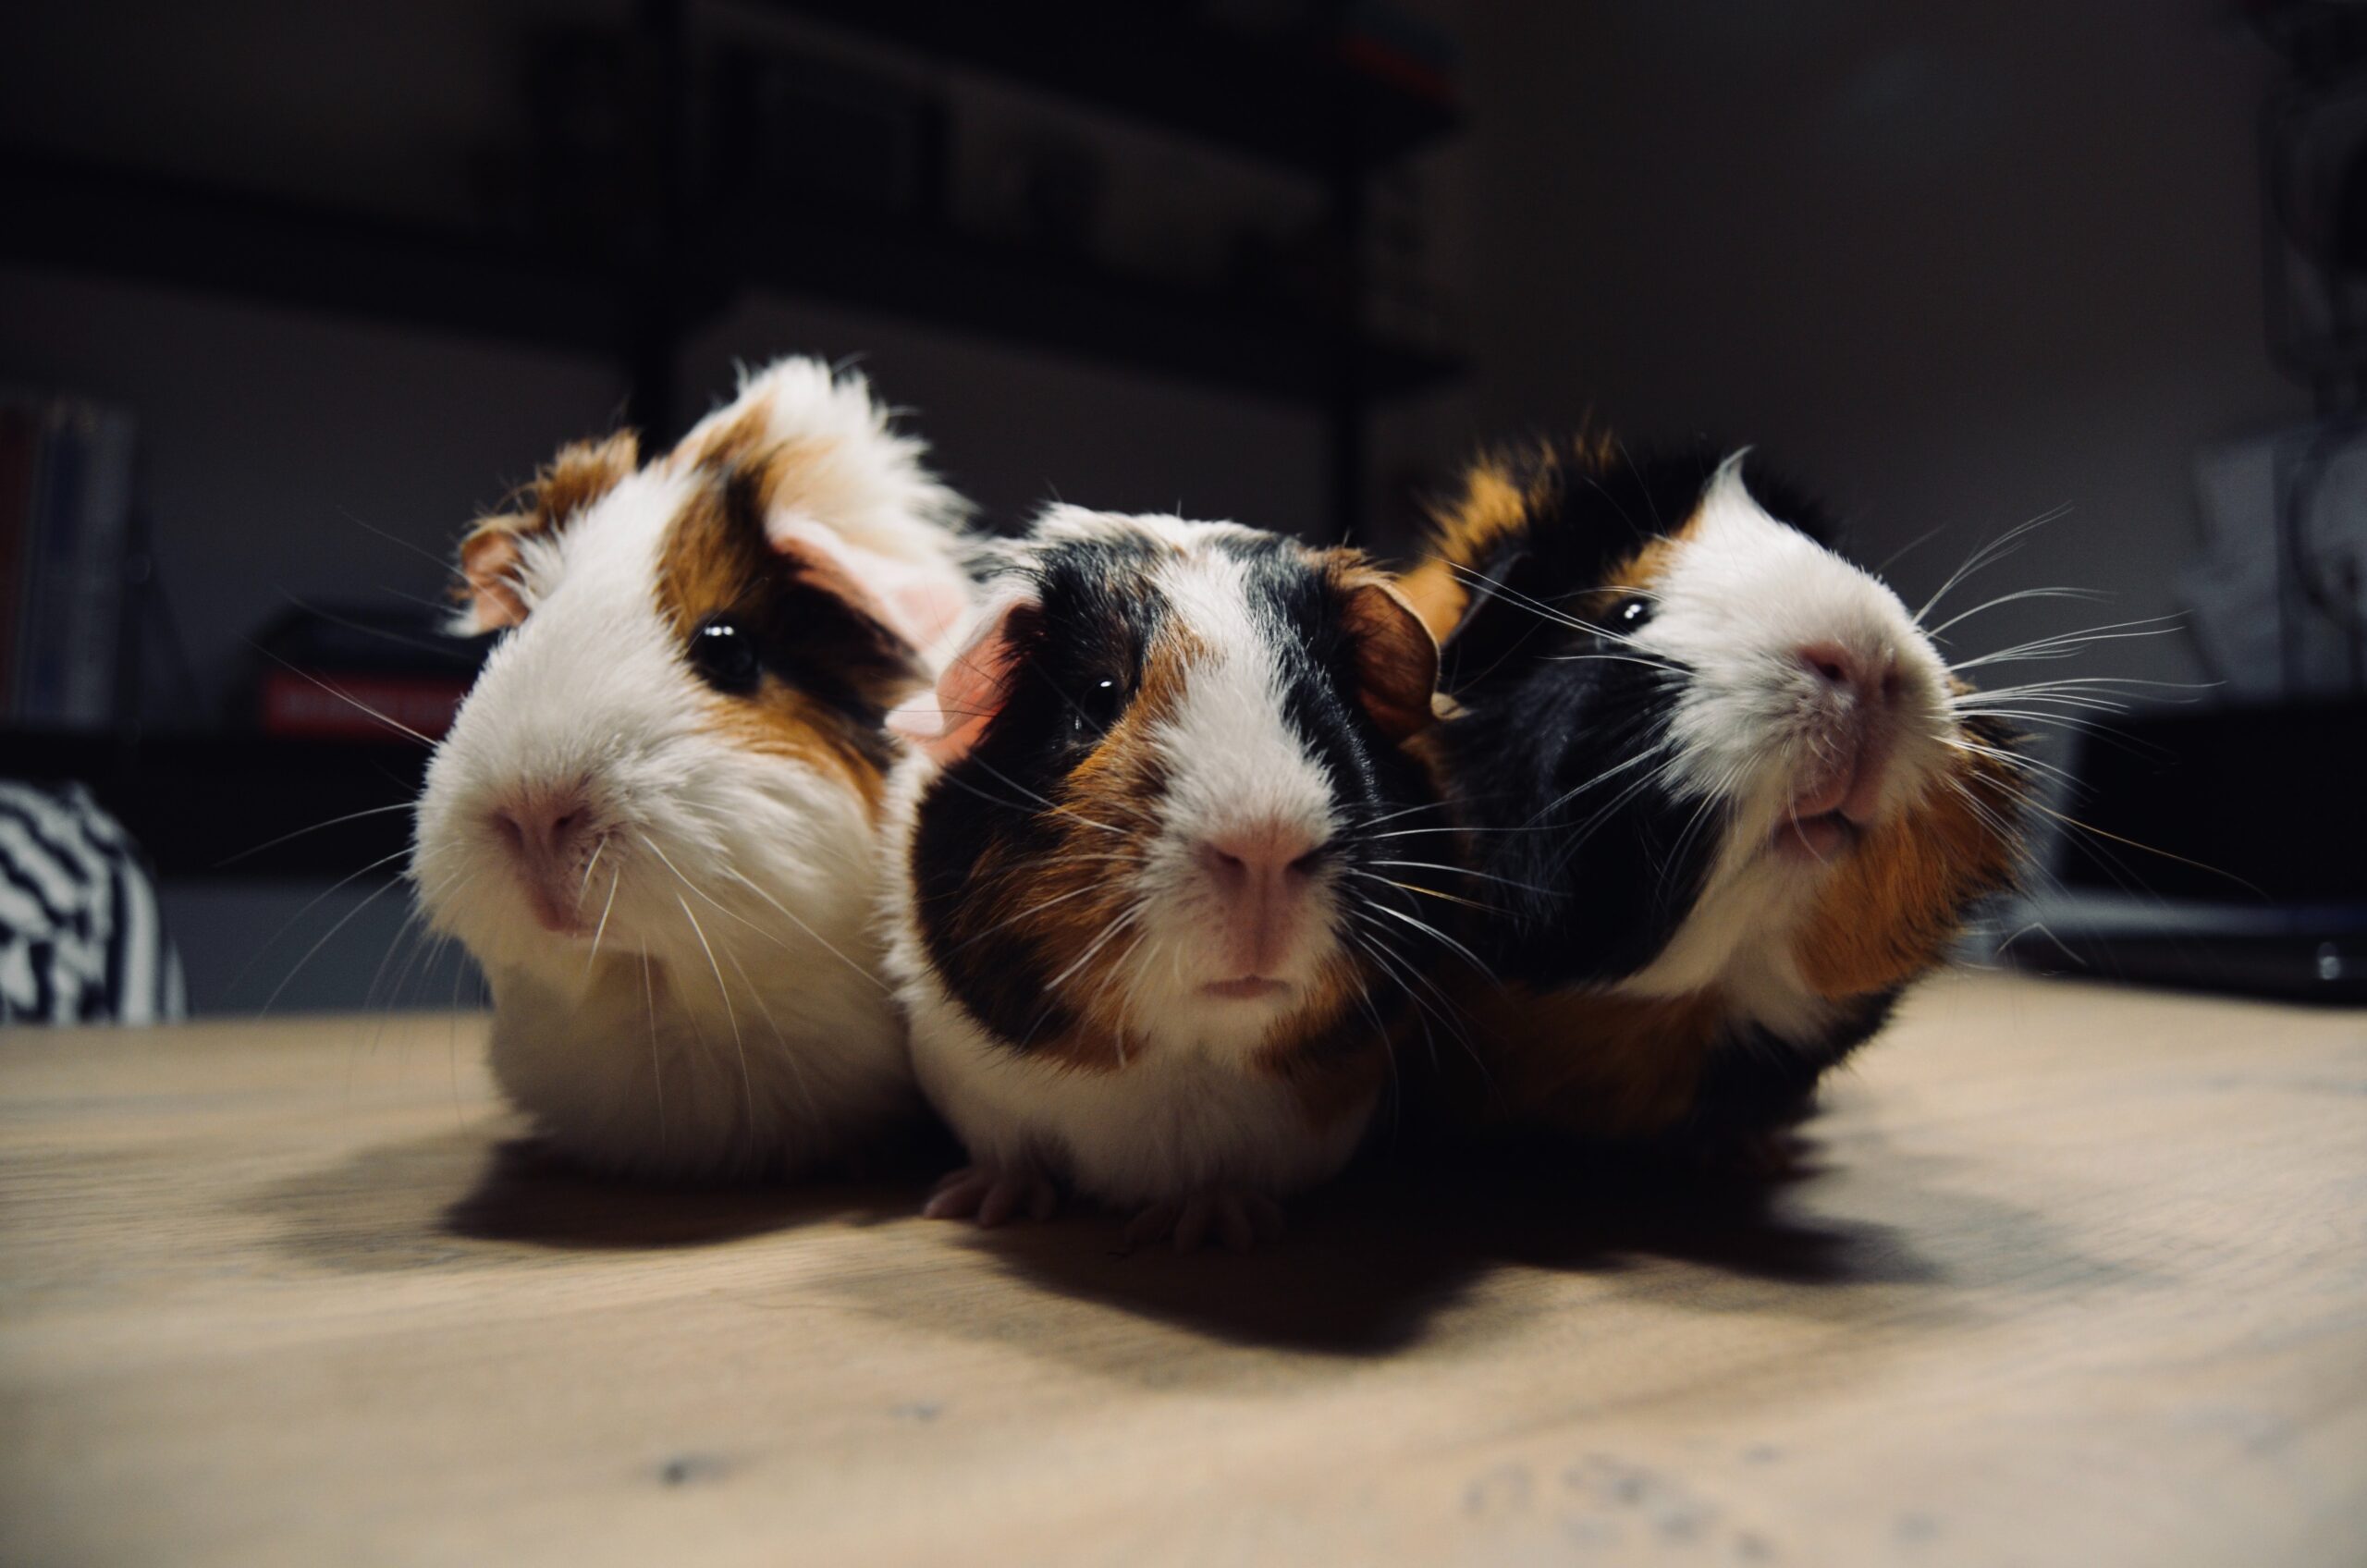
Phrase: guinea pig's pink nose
(547, 829)
(1851, 671)
(1260, 871)
(548, 835)
(1244, 858)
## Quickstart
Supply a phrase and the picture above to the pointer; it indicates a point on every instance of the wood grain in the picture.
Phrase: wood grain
(2074, 1276)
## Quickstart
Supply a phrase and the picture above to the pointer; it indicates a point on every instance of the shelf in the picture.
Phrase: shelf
(204, 806)
(155, 229)
(68, 215)
(1305, 108)
(1067, 305)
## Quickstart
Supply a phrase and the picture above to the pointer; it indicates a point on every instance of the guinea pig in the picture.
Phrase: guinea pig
(1722, 794)
(1147, 925)
(655, 820)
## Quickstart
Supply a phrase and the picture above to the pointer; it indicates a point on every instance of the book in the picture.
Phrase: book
(19, 460)
(62, 562)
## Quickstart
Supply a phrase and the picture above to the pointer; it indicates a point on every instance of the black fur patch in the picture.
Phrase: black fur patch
(1095, 618)
(1753, 1081)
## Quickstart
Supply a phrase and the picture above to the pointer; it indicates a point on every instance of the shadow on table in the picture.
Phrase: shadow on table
(524, 1194)
(453, 1199)
(1373, 1260)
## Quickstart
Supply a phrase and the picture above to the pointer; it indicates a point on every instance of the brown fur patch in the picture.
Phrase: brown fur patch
(1890, 911)
(1643, 571)
(716, 560)
(731, 445)
(1110, 787)
(579, 475)
(1501, 494)
(1397, 654)
(1491, 507)
(806, 474)
(1593, 1064)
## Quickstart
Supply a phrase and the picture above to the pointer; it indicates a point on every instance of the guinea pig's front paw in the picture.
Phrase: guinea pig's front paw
(1754, 1157)
(1239, 1219)
(992, 1195)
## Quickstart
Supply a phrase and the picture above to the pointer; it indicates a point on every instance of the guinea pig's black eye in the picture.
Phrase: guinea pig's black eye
(1095, 708)
(724, 653)
(1629, 614)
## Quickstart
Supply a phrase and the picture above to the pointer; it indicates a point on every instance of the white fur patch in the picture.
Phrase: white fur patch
(1233, 762)
(1742, 595)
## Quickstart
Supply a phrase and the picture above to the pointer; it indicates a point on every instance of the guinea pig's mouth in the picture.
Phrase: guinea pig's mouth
(1246, 988)
(1822, 836)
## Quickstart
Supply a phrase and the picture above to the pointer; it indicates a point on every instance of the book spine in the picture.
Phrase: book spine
(50, 578)
(99, 544)
(19, 479)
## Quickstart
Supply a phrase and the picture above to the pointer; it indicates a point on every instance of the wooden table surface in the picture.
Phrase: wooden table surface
(2074, 1276)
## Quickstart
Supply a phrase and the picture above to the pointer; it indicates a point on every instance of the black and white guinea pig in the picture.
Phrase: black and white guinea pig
(655, 820)
(1725, 797)
(1142, 927)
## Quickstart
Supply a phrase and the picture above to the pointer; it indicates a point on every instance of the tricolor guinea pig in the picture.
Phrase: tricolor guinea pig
(1142, 923)
(1721, 793)
(655, 819)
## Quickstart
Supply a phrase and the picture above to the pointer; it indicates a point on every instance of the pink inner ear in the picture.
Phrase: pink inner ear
(976, 684)
(920, 604)
(1397, 659)
(489, 561)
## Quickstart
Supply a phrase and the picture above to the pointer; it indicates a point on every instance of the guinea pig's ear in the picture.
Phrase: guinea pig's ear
(976, 683)
(581, 475)
(919, 603)
(1397, 659)
(488, 592)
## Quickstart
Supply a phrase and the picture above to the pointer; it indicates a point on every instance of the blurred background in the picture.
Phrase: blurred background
(289, 292)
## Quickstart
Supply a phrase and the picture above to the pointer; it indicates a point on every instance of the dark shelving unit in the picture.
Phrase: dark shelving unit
(1303, 104)
(130, 224)
(1300, 105)
(107, 221)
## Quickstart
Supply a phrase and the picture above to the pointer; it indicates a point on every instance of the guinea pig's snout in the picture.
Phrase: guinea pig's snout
(550, 835)
(1260, 873)
(1856, 691)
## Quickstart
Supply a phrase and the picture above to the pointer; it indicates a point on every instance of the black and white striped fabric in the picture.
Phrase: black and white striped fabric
(80, 938)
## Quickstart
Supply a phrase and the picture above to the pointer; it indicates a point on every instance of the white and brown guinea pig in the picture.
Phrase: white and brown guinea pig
(655, 820)
(1140, 929)
(1725, 796)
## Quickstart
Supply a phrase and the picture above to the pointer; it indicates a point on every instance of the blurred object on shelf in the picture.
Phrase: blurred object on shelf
(1374, 39)
(1404, 299)
(2279, 597)
(2221, 849)
(791, 125)
(2315, 36)
(584, 157)
(354, 673)
(2314, 155)
(1388, 44)
(2288, 513)
(65, 537)
(1041, 186)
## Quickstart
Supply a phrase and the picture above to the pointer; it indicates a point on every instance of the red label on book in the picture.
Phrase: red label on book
(359, 707)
